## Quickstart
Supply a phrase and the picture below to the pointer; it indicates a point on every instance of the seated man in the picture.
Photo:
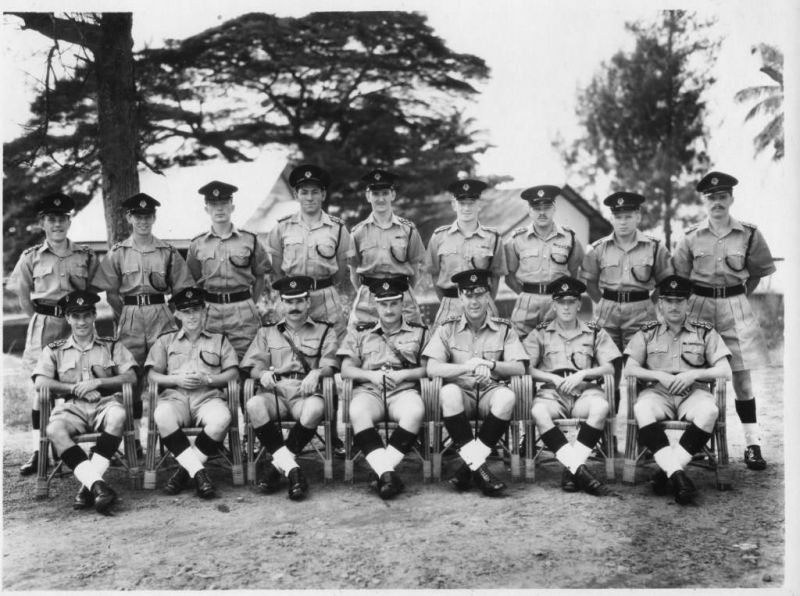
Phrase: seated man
(88, 370)
(192, 365)
(289, 358)
(383, 359)
(564, 353)
(473, 352)
(674, 358)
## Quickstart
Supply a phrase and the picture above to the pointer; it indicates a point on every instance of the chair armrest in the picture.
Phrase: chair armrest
(430, 389)
(523, 388)
(328, 394)
(720, 395)
(232, 394)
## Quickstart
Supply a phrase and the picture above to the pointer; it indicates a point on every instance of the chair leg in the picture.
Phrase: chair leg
(631, 454)
(723, 470)
(348, 453)
(530, 450)
(516, 472)
(426, 454)
(610, 455)
(328, 460)
(235, 444)
(42, 480)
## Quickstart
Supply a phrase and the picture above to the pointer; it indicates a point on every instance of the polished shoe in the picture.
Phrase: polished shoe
(752, 458)
(31, 466)
(83, 500)
(177, 482)
(389, 485)
(298, 486)
(270, 479)
(203, 485)
(590, 484)
(489, 484)
(462, 479)
(104, 497)
(683, 487)
(660, 483)
(568, 484)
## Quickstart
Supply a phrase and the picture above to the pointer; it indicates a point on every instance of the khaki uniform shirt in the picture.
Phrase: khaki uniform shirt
(639, 267)
(312, 251)
(316, 341)
(551, 348)
(696, 345)
(533, 259)
(451, 251)
(226, 265)
(383, 252)
(43, 275)
(65, 361)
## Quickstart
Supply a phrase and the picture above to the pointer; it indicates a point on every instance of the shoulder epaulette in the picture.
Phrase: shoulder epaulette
(413, 324)
(567, 228)
(166, 333)
(320, 322)
(115, 247)
(270, 324)
(491, 229)
(593, 325)
(56, 344)
(336, 219)
(692, 228)
(441, 229)
(365, 326)
(452, 319)
(648, 325)
(543, 325)
(32, 248)
(285, 217)
(501, 320)
(408, 222)
(652, 238)
(748, 225)
(82, 248)
(200, 235)
(702, 324)
(106, 339)
(599, 241)
(358, 226)
(248, 232)
(517, 232)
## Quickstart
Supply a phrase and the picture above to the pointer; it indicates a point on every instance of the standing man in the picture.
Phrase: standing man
(564, 353)
(538, 254)
(229, 264)
(726, 258)
(289, 358)
(676, 359)
(43, 275)
(621, 270)
(464, 245)
(473, 353)
(136, 274)
(384, 359)
(384, 245)
(88, 371)
(191, 365)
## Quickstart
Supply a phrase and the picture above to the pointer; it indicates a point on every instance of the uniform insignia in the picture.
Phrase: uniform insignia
(292, 284)
(377, 176)
(540, 193)
(413, 324)
(620, 201)
(335, 219)
(189, 294)
(215, 192)
(501, 320)
(564, 287)
(543, 325)
(465, 187)
(385, 285)
(715, 181)
(649, 325)
(590, 324)
(56, 344)
(673, 284)
(517, 232)
(703, 324)
(406, 221)
(57, 202)
(441, 229)
(473, 278)
(142, 203)
(79, 302)
(307, 174)
(365, 326)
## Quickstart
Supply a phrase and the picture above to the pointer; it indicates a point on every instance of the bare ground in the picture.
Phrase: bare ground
(343, 536)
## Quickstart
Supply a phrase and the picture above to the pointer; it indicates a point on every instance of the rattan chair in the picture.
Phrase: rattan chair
(325, 453)
(715, 451)
(233, 457)
(427, 388)
(129, 461)
(534, 450)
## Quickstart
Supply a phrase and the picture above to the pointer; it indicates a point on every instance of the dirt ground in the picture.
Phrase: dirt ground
(343, 536)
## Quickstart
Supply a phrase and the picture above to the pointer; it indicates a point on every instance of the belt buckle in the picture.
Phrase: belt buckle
(623, 296)
(142, 300)
(225, 298)
(57, 311)
(719, 292)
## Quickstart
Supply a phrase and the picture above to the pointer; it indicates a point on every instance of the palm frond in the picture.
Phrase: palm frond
(752, 93)
(770, 106)
(771, 134)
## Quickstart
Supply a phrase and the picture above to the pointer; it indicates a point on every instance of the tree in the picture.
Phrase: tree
(767, 100)
(643, 117)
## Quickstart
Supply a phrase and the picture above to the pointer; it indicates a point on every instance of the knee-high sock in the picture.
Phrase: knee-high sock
(299, 437)
(746, 409)
(556, 442)
(81, 467)
(655, 439)
(400, 443)
(587, 439)
(370, 443)
(179, 445)
(691, 441)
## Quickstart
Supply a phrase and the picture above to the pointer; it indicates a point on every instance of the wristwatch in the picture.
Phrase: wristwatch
(494, 364)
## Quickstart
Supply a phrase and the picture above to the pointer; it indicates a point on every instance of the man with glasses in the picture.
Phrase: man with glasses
(384, 246)
(137, 274)
(565, 353)
(229, 264)
(676, 359)
(43, 275)
(464, 245)
(475, 353)
(538, 254)
(726, 259)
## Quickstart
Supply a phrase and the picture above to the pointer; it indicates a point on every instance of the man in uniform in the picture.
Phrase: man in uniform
(621, 270)
(384, 361)
(726, 258)
(473, 352)
(43, 275)
(136, 274)
(191, 366)
(289, 358)
(229, 264)
(538, 254)
(88, 371)
(384, 245)
(564, 354)
(464, 245)
(676, 358)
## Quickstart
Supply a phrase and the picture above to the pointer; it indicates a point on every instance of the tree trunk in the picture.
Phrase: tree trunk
(116, 104)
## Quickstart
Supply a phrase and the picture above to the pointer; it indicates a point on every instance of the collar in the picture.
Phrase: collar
(557, 230)
(735, 225)
(307, 322)
(639, 238)
(157, 243)
(234, 232)
(70, 343)
(46, 246)
(480, 230)
(582, 328)
(325, 219)
(488, 322)
(378, 328)
(370, 219)
(182, 333)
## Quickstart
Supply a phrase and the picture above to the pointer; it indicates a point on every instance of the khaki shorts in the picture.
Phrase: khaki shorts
(85, 416)
(623, 319)
(485, 403)
(290, 400)
(211, 407)
(564, 405)
(530, 310)
(394, 400)
(670, 406)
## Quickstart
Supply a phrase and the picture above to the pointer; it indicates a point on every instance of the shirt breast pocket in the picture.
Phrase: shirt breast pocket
(559, 254)
(492, 351)
(69, 368)
(693, 354)
(703, 262)
(42, 270)
(177, 359)
(241, 257)
(642, 270)
(582, 357)
(530, 258)
(293, 248)
(325, 247)
(210, 359)
(610, 270)
(735, 259)
(481, 256)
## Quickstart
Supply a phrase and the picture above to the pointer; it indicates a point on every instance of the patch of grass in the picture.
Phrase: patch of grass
(17, 392)
(769, 309)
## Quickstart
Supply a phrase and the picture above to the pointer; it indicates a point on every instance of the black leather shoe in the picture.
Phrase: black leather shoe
(389, 485)
(683, 488)
(568, 484)
(203, 485)
(660, 483)
(489, 484)
(590, 484)
(84, 499)
(104, 497)
(462, 479)
(752, 458)
(270, 479)
(177, 481)
(298, 486)
(31, 466)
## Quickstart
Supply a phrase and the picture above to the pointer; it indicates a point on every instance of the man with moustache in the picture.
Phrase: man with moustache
(726, 259)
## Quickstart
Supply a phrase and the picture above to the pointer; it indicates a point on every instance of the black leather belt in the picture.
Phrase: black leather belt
(450, 292)
(51, 310)
(228, 298)
(144, 299)
(368, 281)
(535, 288)
(635, 296)
(563, 372)
(321, 284)
(290, 375)
(717, 292)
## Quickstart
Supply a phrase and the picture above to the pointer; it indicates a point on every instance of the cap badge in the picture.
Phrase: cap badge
(215, 192)
(292, 284)
(57, 202)
(473, 278)
(142, 203)
(79, 301)
(564, 287)
(673, 284)
(620, 200)
(189, 294)
(715, 181)
(466, 186)
(377, 176)
(540, 193)
(385, 285)
(307, 174)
